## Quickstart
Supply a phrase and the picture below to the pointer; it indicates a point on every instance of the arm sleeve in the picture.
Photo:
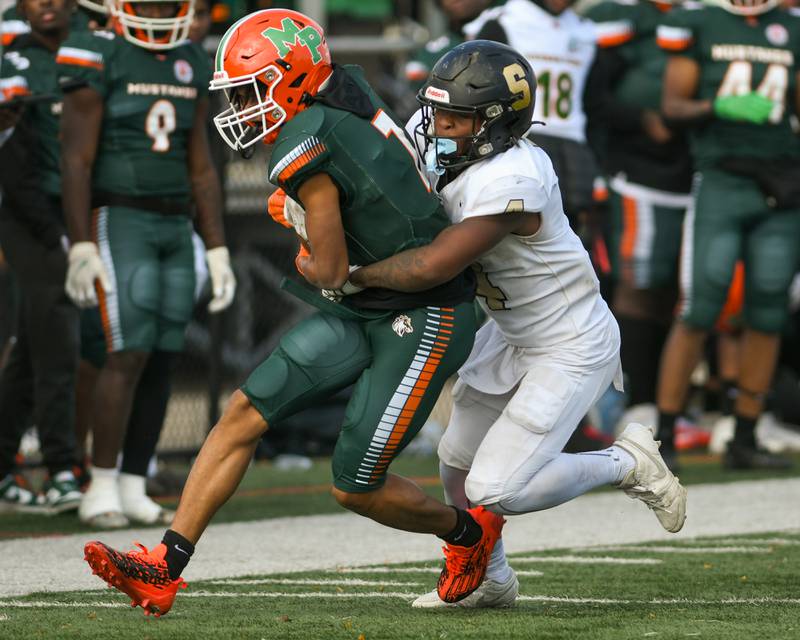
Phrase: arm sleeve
(508, 194)
(676, 32)
(82, 62)
(295, 159)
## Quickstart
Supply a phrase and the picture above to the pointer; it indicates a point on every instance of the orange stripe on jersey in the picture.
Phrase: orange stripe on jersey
(614, 40)
(15, 91)
(629, 224)
(79, 62)
(7, 38)
(301, 161)
(673, 44)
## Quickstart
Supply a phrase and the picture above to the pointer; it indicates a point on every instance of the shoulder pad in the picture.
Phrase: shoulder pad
(300, 148)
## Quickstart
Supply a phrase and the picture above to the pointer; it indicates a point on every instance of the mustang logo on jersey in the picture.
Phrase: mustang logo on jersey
(290, 35)
(401, 325)
(183, 71)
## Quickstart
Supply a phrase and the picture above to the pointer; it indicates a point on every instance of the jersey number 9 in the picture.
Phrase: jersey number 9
(159, 123)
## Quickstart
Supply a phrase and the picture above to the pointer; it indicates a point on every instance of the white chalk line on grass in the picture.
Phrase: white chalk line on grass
(41, 604)
(657, 549)
(346, 582)
(767, 541)
(529, 574)
(585, 560)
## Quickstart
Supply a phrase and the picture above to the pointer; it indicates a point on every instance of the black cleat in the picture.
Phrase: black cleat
(741, 457)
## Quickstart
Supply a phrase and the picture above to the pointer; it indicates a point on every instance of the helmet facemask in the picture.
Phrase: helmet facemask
(747, 7)
(156, 34)
(253, 115)
(440, 155)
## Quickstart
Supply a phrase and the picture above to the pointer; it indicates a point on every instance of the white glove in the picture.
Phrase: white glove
(296, 216)
(223, 282)
(347, 289)
(84, 268)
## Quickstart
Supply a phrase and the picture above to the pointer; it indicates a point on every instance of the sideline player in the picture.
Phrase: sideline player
(37, 385)
(551, 347)
(336, 150)
(649, 175)
(134, 146)
(570, 88)
(734, 81)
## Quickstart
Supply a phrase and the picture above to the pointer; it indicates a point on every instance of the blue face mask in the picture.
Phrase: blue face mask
(443, 147)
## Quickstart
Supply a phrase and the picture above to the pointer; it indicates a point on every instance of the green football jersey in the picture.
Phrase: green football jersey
(386, 202)
(149, 106)
(736, 56)
(630, 27)
(422, 60)
(29, 68)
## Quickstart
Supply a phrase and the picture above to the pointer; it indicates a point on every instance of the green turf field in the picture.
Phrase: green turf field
(267, 492)
(719, 588)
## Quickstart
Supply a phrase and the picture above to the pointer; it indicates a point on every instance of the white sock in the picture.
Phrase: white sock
(135, 502)
(567, 476)
(104, 480)
(453, 484)
(102, 496)
(498, 569)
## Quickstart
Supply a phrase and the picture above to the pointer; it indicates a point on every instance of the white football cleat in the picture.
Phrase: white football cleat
(650, 480)
(490, 595)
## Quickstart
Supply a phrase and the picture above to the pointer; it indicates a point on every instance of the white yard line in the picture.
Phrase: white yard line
(436, 569)
(686, 549)
(347, 582)
(328, 541)
(586, 559)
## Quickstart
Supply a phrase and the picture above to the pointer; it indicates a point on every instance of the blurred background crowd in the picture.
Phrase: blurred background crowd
(608, 140)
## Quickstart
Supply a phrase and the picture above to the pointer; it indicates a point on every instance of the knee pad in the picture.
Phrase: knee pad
(767, 317)
(315, 355)
(144, 287)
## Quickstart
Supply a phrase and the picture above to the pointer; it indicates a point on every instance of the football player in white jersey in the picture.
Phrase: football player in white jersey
(551, 346)
(570, 90)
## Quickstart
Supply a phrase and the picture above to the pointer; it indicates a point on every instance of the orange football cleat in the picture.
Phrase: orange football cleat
(465, 567)
(142, 575)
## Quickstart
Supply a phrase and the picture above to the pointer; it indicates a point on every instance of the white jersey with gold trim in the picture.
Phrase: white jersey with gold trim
(561, 50)
(540, 291)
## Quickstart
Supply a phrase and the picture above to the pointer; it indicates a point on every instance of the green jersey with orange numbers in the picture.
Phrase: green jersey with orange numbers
(736, 56)
(149, 104)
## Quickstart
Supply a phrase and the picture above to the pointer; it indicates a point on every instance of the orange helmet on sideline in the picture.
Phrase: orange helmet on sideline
(269, 64)
(153, 33)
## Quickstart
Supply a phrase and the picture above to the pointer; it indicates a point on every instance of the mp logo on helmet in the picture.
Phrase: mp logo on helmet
(290, 35)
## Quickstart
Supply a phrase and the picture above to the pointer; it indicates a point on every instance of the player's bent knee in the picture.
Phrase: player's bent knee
(242, 419)
(701, 317)
(356, 502)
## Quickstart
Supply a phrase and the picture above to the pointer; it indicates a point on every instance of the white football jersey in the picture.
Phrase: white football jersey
(540, 290)
(561, 50)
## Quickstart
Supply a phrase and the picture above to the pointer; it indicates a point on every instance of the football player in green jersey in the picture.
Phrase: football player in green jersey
(649, 174)
(38, 382)
(734, 79)
(338, 153)
(135, 152)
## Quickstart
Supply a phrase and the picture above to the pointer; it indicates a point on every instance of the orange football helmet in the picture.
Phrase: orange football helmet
(144, 29)
(269, 64)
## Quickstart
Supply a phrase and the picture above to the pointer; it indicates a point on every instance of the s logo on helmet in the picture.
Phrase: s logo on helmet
(290, 35)
(401, 325)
